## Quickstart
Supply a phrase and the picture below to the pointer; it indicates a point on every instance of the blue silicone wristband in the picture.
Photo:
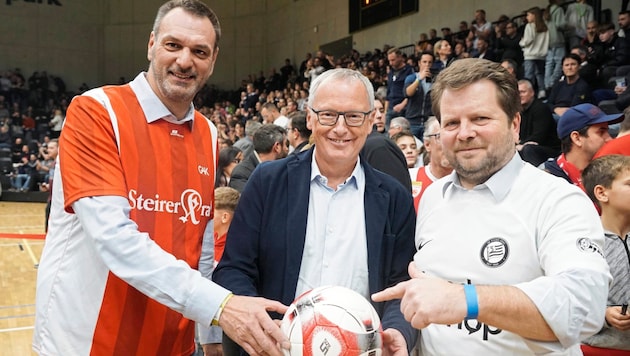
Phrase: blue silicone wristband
(471, 301)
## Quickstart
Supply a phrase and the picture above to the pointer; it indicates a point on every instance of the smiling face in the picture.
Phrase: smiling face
(476, 136)
(182, 55)
(337, 147)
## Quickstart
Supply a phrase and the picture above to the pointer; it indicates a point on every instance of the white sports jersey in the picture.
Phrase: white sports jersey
(522, 227)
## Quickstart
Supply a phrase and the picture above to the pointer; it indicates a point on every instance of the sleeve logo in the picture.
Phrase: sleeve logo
(585, 244)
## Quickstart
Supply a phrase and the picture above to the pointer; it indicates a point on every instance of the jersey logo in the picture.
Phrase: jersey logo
(421, 245)
(416, 188)
(203, 170)
(190, 205)
(494, 252)
(175, 132)
(585, 244)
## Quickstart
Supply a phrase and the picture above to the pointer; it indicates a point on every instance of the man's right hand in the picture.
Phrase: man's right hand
(245, 320)
(212, 350)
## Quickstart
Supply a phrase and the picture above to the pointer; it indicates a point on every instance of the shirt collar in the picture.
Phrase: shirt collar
(612, 235)
(499, 184)
(356, 179)
(152, 106)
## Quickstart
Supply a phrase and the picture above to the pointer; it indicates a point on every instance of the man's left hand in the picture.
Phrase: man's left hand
(394, 343)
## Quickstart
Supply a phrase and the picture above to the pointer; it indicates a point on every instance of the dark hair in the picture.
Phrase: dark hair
(298, 122)
(226, 156)
(606, 26)
(572, 56)
(566, 143)
(426, 53)
(267, 136)
(403, 133)
(194, 7)
(511, 63)
(582, 49)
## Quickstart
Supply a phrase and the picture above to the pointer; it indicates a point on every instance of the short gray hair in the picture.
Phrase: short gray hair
(431, 127)
(400, 122)
(343, 74)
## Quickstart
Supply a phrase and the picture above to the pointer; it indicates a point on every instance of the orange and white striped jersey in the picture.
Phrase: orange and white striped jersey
(421, 178)
(132, 205)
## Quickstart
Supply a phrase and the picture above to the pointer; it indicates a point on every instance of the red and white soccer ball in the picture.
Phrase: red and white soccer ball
(331, 321)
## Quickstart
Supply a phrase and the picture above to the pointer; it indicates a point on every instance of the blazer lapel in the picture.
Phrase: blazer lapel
(299, 173)
(376, 202)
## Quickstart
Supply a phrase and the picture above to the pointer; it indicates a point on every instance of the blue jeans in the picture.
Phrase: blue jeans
(553, 65)
(21, 181)
(535, 72)
(417, 130)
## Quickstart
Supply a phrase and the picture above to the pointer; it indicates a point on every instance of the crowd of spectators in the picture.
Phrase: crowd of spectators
(31, 115)
(32, 110)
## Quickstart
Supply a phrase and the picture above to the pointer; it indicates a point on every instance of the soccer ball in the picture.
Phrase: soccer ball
(331, 321)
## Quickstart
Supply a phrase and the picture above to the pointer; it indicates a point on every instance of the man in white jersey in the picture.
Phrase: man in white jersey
(509, 258)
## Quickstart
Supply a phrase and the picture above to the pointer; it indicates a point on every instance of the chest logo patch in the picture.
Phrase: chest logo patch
(494, 252)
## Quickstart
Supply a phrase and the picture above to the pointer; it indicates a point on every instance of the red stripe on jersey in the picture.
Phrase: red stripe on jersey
(166, 171)
(422, 177)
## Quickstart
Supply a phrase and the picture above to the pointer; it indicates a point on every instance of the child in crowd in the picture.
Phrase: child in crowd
(607, 183)
(225, 201)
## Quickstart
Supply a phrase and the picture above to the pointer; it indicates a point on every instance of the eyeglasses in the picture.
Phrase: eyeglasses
(329, 117)
(436, 135)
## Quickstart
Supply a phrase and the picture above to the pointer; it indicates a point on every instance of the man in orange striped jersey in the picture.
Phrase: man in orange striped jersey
(132, 211)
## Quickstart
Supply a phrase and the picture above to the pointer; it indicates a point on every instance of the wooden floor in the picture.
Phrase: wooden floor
(19, 257)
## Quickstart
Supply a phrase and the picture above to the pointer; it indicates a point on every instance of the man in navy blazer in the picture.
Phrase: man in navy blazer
(276, 245)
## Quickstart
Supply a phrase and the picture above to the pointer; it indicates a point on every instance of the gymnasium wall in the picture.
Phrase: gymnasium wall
(99, 41)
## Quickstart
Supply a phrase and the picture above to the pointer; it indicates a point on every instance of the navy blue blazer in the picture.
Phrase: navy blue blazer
(264, 246)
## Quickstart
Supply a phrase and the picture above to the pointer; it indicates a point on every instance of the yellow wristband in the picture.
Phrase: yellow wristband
(215, 321)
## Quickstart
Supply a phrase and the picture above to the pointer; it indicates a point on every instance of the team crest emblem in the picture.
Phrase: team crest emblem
(494, 252)
(416, 188)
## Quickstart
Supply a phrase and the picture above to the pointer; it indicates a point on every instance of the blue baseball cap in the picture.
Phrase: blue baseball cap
(584, 115)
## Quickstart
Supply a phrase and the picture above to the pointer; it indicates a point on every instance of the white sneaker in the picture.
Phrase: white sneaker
(542, 94)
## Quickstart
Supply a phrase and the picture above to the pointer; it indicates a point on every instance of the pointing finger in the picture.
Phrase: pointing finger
(395, 292)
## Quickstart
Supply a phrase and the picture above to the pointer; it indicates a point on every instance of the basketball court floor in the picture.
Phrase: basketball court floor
(21, 243)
